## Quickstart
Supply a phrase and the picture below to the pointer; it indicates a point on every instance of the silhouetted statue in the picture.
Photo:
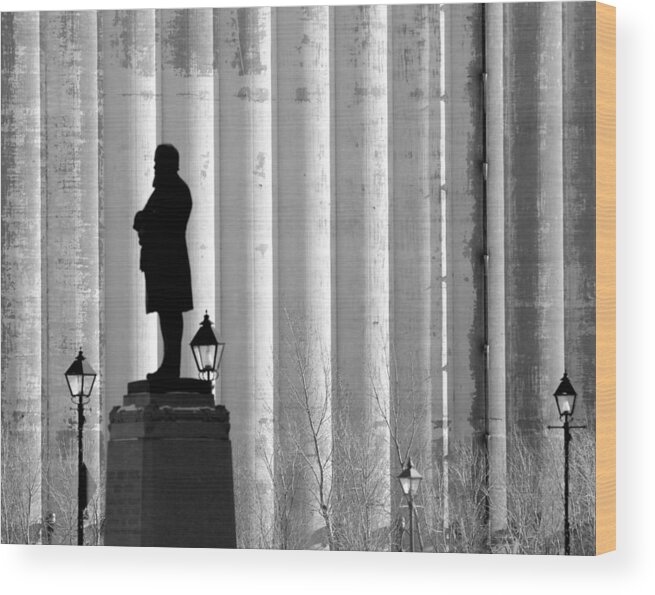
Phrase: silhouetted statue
(164, 259)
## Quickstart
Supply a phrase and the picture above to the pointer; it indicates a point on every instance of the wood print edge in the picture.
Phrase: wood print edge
(606, 278)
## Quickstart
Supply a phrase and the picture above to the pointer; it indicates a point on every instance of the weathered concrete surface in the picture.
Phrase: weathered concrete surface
(246, 252)
(22, 339)
(534, 183)
(71, 276)
(464, 187)
(534, 213)
(362, 227)
(579, 158)
(415, 250)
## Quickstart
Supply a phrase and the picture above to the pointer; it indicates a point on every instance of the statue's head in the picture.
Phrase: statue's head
(167, 157)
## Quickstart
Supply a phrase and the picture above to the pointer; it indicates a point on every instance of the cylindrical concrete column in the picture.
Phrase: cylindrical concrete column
(495, 150)
(464, 191)
(534, 212)
(129, 138)
(415, 130)
(186, 120)
(69, 42)
(534, 244)
(246, 254)
(22, 321)
(362, 249)
(579, 159)
(304, 309)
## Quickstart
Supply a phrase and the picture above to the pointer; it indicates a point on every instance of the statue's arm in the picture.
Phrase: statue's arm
(144, 219)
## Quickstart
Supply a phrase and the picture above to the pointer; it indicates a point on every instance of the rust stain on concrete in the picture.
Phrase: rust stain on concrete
(258, 94)
(302, 94)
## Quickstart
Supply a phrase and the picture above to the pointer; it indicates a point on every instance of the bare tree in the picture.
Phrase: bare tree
(327, 463)
(21, 486)
(60, 479)
(308, 427)
(530, 466)
(468, 494)
(432, 512)
(94, 532)
(582, 485)
(361, 491)
(259, 526)
(406, 419)
(323, 466)
(284, 467)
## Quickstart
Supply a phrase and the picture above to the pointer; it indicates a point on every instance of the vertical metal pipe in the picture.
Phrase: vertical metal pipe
(440, 277)
(495, 241)
(484, 172)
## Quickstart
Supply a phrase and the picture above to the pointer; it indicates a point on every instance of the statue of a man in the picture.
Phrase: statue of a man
(161, 226)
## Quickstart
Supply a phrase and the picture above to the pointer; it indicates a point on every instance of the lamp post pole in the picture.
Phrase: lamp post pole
(567, 528)
(80, 377)
(410, 479)
(80, 472)
(410, 504)
(50, 521)
(565, 396)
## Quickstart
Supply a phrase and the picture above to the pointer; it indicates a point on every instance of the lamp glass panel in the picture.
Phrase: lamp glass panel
(196, 357)
(219, 354)
(565, 403)
(206, 355)
(415, 482)
(88, 382)
(75, 382)
(405, 483)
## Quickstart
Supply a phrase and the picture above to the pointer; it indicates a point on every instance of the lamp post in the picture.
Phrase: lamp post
(80, 377)
(410, 480)
(50, 522)
(207, 350)
(565, 396)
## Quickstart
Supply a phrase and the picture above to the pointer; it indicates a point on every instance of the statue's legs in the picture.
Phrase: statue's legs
(171, 325)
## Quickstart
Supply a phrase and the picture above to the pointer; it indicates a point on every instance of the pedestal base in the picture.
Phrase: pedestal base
(169, 468)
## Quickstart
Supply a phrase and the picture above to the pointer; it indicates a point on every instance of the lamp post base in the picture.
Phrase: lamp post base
(169, 468)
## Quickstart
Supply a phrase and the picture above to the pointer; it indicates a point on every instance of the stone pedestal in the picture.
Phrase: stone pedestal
(169, 468)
